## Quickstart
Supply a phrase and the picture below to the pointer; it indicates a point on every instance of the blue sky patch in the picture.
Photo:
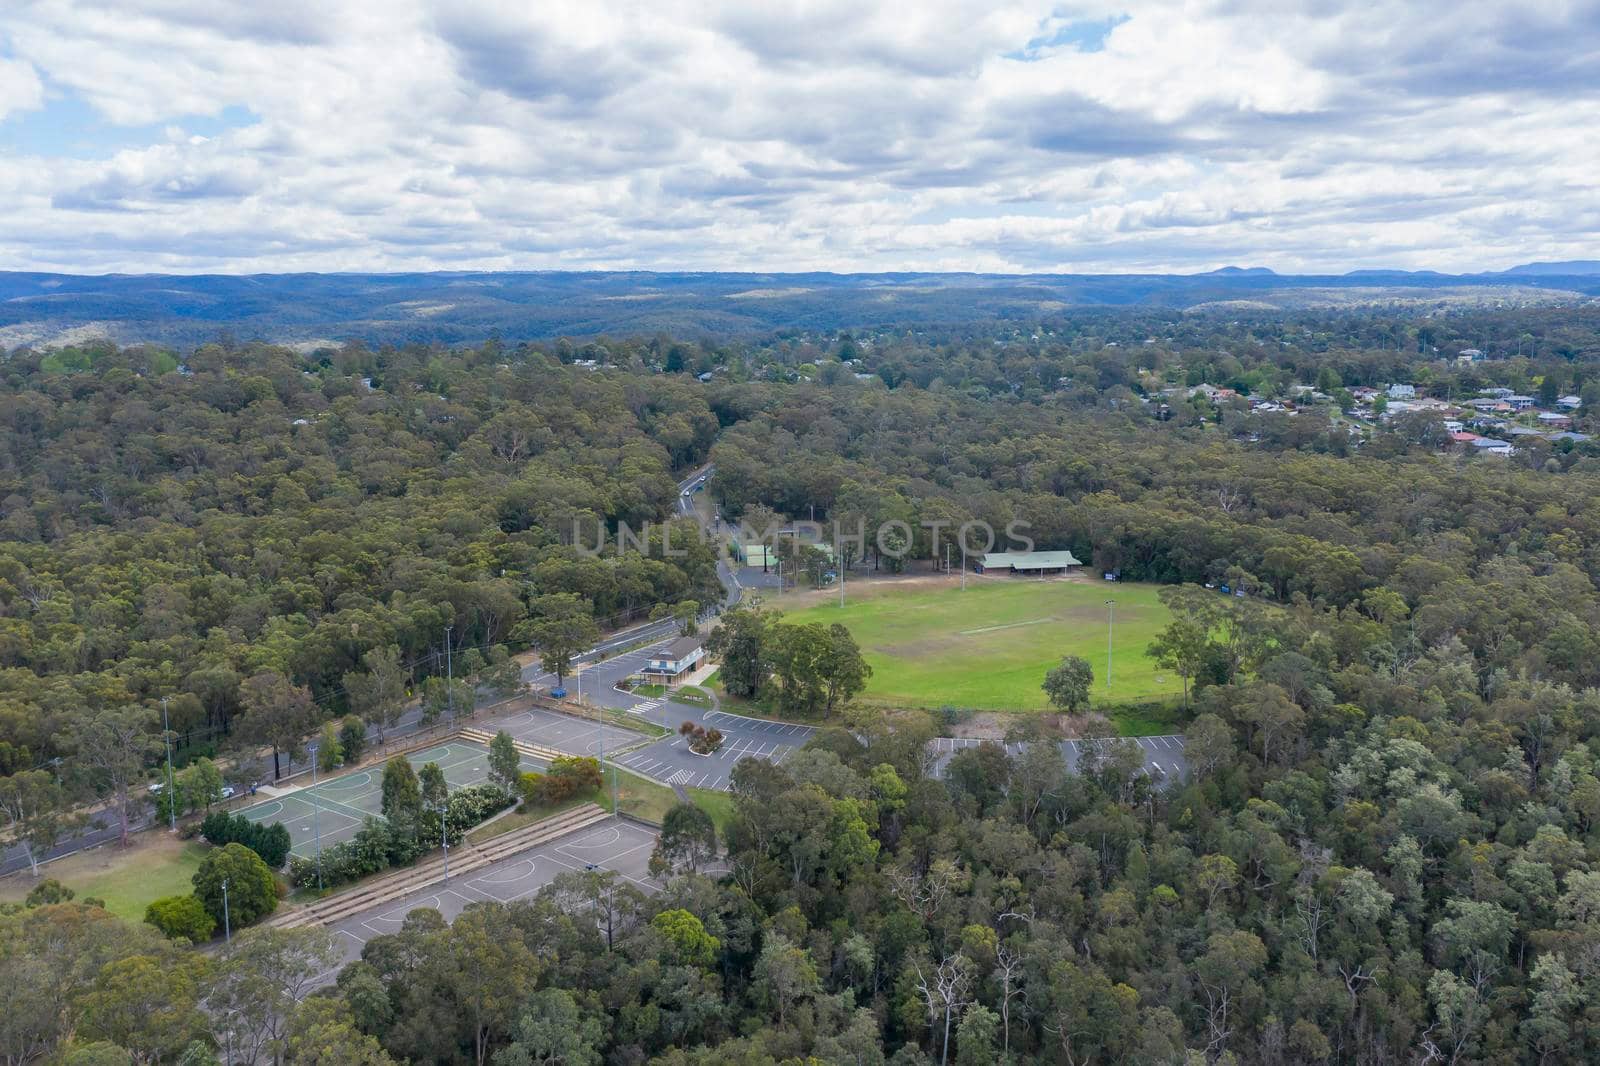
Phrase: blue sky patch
(1086, 35)
(67, 127)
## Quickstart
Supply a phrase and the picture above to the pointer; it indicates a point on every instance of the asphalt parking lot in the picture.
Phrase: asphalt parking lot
(670, 760)
(563, 732)
(615, 844)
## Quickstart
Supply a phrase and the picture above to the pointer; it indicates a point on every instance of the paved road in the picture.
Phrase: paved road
(14, 858)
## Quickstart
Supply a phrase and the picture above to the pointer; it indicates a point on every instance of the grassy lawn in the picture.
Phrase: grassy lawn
(649, 692)
(717, 804)
(638, 796)
(693, 695)
(990, 646)
(155, 864)
(519, 818)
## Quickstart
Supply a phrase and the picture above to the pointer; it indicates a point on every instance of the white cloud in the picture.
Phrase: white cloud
(949, 134)
(20, 88)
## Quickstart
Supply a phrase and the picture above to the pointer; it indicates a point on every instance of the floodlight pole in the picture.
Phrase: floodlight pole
(449, 675)
(227, 924)
(444, 829)
(1111, 611)
(838, 553)
(963, 565)
(316, 813)
(172, 793)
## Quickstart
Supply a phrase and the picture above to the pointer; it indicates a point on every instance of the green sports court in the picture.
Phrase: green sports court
(337, 806)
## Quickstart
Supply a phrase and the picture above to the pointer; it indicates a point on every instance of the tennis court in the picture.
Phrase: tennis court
(339, 805)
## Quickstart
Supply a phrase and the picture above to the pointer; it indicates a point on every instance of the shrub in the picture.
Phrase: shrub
(380, 845)
(48, 891)
(251, 892)
(182, 917)
(531, 786)
(271, 842)
(702, 741)
(568, 777)
(470, 805)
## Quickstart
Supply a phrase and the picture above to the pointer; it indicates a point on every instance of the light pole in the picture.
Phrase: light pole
(316, 813)
(444, 829)
(172, 795)
(1111, 611)
(449, 675)
(227, 924)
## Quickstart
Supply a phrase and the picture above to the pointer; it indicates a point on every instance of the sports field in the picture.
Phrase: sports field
(337, 806)
(988, 648)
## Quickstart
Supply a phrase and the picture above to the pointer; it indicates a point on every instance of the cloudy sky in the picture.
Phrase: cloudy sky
(236, 136)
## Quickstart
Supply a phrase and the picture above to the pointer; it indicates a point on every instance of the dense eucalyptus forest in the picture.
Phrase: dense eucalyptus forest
(1388, 850)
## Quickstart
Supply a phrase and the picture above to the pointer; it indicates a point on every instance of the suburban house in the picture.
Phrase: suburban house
(669, 664)
(1555, 419)
(1034, 563)
(1490, 446)
(1402, 392)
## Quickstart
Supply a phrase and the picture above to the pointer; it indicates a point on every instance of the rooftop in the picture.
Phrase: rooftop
(681, 648)
(1030, 560)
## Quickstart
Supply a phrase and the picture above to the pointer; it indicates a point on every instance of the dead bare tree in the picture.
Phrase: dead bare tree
(947, 991)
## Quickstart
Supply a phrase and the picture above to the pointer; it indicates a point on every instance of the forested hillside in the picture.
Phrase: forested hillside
(173, 534)
(1388, 850)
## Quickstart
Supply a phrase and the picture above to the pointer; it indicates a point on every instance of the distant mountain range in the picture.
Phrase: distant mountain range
(1571, 268)
(309, 310)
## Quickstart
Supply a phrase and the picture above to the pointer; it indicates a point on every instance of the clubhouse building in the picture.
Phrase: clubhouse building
(1029, 564)
(670, 664)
